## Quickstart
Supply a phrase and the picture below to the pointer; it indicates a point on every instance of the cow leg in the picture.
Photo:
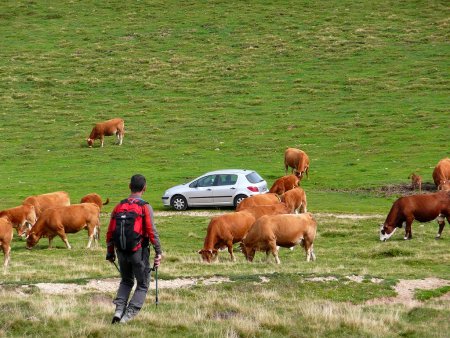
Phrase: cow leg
(230, 250)
(63, 236)
(408, 231)
(50, 240)
(6, 252)
(101, 141)
(273, 248)
(441, 222)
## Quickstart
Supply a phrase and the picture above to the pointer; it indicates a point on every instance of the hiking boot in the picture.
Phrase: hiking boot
(117, 316)
(130, 312)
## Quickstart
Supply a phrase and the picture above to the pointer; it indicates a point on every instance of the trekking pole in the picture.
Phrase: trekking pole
(115, 266)
(156, 286)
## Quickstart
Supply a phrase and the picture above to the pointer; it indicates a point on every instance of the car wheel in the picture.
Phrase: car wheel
(179, 203)
(238, 199)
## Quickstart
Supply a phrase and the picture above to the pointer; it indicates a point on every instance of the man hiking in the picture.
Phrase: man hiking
(130, 231)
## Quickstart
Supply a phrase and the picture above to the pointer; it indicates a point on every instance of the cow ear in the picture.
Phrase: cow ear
(200, 251)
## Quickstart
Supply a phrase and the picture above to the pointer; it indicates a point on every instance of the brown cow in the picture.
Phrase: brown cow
(223, 231)
(6, 235)
(283, 184)
(262, 199)
(66, 220)
(261, 210)
(421, 207)
(280, 230)
(416, 181)
(20, 217)
(441, 173)
(298, 160)
(295, 200)
(45, 201)
(94, 198)
(108, 128)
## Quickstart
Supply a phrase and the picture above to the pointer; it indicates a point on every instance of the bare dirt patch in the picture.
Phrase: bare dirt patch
(405, 291)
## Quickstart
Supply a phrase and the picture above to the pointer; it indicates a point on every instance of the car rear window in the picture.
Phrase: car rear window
(254, 177)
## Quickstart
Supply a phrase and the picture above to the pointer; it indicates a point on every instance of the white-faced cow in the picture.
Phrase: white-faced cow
(270, 232)
(262, 199)
(66, 220)
(20, 217)
(6, 235)
(421, 207)
(298, 160)
(223, 231)
(283, 184)
(441, 174)
(108, 128)
(94, 198)
(295, 200)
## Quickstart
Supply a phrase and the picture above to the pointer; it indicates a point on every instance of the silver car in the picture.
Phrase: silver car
(226, 187)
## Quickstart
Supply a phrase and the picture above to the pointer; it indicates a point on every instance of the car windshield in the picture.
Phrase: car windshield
(254, 177)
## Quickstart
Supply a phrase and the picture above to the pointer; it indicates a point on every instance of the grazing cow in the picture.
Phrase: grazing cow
(45, 201)
(6, 235)
(261, 210)
(20, 217)
(416, 181)
(441, 173)
(283, 184)
(421, 207)
(280, 230)
(295, 200)
(262, 199)
(298, 160)
(94, 198)
(66, 220)
(107, 128)
(223, 231)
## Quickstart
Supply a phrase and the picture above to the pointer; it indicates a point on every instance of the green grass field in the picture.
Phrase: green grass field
(362, 87)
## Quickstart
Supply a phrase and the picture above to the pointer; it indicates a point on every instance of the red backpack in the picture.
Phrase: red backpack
(129, 230)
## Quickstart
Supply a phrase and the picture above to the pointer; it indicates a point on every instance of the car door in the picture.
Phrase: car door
(201, 191)
(224, 189)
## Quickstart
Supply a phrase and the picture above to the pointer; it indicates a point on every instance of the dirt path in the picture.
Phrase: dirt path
(405, 288)
(208, 213)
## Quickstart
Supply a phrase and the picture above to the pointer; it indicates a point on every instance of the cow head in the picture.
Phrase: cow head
(248, 252)
(90, 142)
(32, 239)
(208, 255)
(386, 232)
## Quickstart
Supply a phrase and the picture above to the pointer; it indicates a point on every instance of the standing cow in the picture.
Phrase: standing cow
(6, 235)
(66, 220)
(441, 174)
(262, 199)
(108, 128)
(94, 198)
(45, 201)
(295, 200)
(20, 217)
(270, 232)
(421, 207)
(298, 160)
(283, 184)
(223, 231)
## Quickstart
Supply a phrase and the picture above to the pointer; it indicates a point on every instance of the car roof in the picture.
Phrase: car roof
(229, 171)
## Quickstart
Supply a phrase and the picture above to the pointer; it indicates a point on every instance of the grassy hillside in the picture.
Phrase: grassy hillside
(361, 87)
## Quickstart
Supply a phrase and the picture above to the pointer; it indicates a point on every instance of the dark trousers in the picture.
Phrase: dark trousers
(133, 266)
